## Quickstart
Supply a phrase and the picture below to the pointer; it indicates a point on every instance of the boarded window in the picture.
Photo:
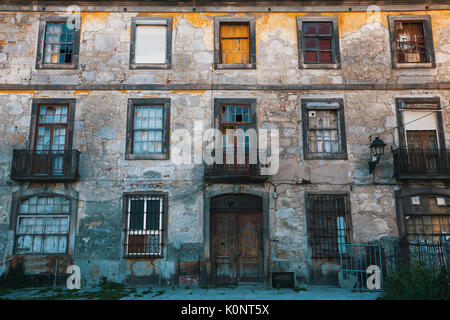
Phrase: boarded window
(318, 42)
(410, 42)
(144, 225)
(58, 43)
(150, 44)
(148, 129)
(329, 224)
(43, 225)
(234, 43)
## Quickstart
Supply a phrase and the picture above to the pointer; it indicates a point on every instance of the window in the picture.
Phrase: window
(324, 129)
(151, 43)
(329, 224)
(318, 41)
(411, 41)
(148, 129)
(42, 225)
(428, 220)
(237, 115)
(235, 43)
(421, 137)
(145, 222)
(58, 43)
(51, 136)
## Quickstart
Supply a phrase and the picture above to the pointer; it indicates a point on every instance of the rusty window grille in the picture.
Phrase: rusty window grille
(144, 226)
(58, 43)
(318, 42)
(329, 225)
(43, 225)
(410, 42)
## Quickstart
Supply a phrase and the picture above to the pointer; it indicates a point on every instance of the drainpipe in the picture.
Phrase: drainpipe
(56, 273)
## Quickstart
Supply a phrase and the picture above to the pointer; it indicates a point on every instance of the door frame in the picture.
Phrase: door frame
(217, 190)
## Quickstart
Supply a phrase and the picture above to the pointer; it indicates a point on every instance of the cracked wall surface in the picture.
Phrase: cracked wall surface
(100, 131)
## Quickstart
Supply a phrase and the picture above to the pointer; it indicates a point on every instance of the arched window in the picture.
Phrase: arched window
(43, 225)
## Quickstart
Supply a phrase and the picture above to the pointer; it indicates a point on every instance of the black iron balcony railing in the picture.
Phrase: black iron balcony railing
(412, 163)
(235, 172)
(32, 165)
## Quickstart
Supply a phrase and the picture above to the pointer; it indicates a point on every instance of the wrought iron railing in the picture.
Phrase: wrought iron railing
(412, 161)
(33, 165)
(234, 171)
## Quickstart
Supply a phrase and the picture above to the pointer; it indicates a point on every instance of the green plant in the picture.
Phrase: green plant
(15, 277)
(416, 281)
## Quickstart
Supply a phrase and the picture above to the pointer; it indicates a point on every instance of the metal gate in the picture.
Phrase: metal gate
(355, 262)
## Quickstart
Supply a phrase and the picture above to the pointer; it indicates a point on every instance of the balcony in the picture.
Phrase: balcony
(234, 173)
(421, 163)
(55, 166)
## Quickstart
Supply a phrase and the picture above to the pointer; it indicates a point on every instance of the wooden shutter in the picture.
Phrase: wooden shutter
(234, 43)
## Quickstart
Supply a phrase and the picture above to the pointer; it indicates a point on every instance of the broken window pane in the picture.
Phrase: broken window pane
(410, 42)
(58, 43)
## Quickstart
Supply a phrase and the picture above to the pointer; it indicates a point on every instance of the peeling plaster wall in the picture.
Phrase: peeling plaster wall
(100, 130)
(105, 40)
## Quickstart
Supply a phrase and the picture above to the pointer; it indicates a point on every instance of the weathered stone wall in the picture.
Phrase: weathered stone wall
(100, 130)
(105, 40)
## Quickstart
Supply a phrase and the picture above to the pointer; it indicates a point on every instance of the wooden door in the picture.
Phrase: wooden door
(250, 258)
(51, 140)
(423, 150)
(223, 248)
(236, 247)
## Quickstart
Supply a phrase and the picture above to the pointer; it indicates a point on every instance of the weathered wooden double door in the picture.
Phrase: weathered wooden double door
(236, 239)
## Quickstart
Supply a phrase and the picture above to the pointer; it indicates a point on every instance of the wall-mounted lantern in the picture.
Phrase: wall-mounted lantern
(376, 152)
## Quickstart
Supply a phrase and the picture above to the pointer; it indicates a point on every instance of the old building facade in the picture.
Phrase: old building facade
(90, 111)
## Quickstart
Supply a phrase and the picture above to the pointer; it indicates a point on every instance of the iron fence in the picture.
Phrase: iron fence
(60, 165)
(421, 161)
(355, 259)
(431, 253)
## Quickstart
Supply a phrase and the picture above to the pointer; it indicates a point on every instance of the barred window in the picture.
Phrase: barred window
(43, 225)
(144, 225)
(329, 224)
